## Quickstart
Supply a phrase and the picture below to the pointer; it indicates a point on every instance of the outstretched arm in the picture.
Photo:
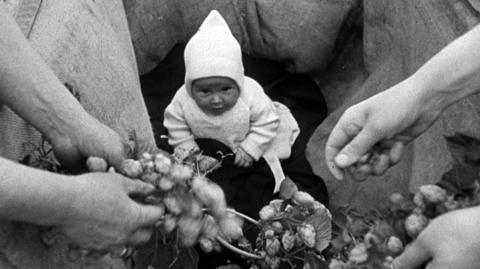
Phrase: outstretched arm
(93, 209)
(30, 88)
(396, 116)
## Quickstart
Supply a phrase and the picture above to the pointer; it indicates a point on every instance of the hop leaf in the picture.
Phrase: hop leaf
(321, 220)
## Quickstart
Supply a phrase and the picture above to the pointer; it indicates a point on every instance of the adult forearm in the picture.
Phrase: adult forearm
(454, 72)
(33, 195)
(29, 87)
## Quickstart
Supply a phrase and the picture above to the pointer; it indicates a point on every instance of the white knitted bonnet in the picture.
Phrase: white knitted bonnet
(213, 51)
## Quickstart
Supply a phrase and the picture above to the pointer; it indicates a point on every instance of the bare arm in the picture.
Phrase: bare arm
(94, 209)
(33, 195)
(401, 113)
(454, 72)
(31, 89)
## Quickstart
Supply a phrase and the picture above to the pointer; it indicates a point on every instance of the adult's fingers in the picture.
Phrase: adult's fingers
(396, 152)
(138, 188)
(243, 163)
(237, 160)
(358, 146)
(116, 156)
(337, 139)
(140, 236)
(149, 215)
(414, 256)
(381, 164)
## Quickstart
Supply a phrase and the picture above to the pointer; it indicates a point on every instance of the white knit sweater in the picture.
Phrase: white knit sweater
(255, 123)
(251, 124)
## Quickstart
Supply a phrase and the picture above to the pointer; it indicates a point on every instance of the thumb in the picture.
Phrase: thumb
(141, 236)
(356, 148)
(118, 152)
(149, 215)
(138, 188)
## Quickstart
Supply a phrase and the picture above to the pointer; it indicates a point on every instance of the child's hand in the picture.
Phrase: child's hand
(242, 158)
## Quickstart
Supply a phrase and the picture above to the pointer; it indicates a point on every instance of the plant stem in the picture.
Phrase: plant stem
(242, 215)
(297, 251)
(237, 250)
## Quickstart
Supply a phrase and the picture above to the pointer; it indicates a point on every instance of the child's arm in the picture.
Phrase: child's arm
(264, 122)
(242, 158)
(179, 133)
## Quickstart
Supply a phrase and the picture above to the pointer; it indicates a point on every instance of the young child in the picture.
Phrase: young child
(218, 101)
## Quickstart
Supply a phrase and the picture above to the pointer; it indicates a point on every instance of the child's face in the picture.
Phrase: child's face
(215, 95)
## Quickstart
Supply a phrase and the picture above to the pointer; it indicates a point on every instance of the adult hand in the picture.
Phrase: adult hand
(388, 121)
(449, 241)
(89, 138)
(103, 216)
(242, 158)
